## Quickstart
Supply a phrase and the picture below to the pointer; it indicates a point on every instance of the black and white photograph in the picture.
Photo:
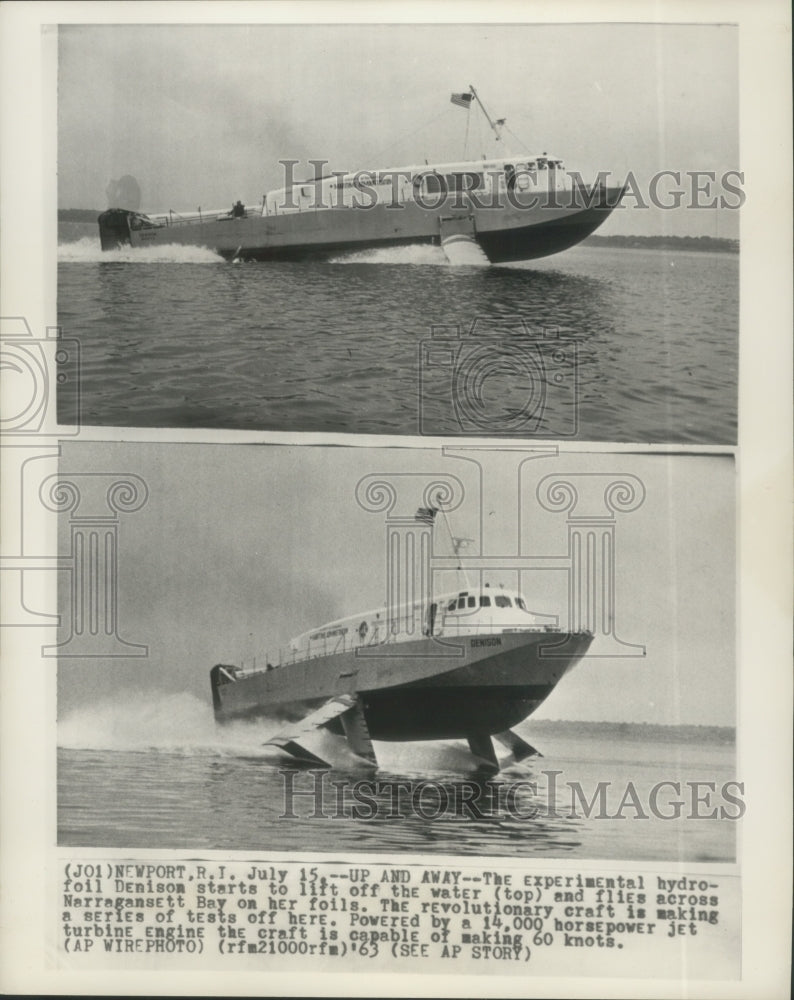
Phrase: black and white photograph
(388, 615)
(464, 229)
(396, 476)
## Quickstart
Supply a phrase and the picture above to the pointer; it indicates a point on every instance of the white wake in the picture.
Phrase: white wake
(414, 253)
(88, 251)
(169, 723)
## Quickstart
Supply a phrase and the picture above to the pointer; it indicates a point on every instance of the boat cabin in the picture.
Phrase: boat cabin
(476, 611)
(485, 609)
(431, 186)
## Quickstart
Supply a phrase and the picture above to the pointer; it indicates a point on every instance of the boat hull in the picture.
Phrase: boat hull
(505, 233)
(418, 690)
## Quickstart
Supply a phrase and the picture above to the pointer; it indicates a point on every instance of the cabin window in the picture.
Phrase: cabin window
(472, 602)
(502, 602)
(461, 603)
(434, 184)
(485, 601)
(542, 164)
(451, 606)
(470, 180)
(520, 603)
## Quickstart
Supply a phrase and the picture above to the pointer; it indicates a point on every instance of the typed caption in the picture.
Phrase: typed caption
(413, 918)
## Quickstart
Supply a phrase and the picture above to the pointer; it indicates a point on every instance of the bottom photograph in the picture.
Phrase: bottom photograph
(520, 651)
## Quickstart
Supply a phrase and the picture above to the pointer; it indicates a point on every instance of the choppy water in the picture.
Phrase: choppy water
(157, 773)
(175, 336)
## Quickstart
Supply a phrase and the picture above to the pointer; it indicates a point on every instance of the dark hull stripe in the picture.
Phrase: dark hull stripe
(426, 713)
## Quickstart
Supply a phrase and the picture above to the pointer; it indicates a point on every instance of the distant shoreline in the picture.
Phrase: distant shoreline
(79, 214)
(711, 243)
(663, 732)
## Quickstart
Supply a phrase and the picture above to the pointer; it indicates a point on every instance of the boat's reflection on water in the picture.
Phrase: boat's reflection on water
(233, 794)
(165, 357)
(440, 812)
(211, 345)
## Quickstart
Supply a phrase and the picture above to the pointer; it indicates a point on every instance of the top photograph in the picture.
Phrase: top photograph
(514, 231)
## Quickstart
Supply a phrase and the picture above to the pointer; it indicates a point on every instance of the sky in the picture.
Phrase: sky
(242, 547)
(201, 115)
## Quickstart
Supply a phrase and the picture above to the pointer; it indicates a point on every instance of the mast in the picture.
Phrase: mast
(495, 125)
(457, 544)
(428, 515)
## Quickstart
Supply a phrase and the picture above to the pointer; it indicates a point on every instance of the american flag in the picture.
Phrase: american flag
(462, 100)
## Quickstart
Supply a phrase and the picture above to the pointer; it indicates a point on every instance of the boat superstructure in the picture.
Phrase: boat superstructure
(468, 665)
(488, 210)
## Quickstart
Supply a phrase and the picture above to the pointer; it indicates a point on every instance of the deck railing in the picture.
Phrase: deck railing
(454, 628)
(175, 219)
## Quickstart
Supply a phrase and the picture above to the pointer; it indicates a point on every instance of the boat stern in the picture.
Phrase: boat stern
(221, 674)
(114, 228)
